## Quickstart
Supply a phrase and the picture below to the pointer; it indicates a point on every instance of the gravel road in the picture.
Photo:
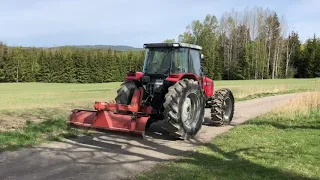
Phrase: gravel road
(116, 155)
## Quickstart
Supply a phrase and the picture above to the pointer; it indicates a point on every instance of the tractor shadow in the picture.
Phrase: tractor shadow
(157, 130)
(207, 122)
(155, 137)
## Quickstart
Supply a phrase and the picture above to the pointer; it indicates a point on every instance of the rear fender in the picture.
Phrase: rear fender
(208, 86)
(135, 76)
(177, 77)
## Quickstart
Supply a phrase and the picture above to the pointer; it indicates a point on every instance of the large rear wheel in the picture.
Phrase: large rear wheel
(125, 92)
(222, 109)
(184, 108)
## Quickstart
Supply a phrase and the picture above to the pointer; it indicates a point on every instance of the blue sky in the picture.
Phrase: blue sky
(123, 22)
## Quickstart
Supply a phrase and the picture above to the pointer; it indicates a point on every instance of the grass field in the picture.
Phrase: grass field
(284, 144)
(38, 95)
(39, 102)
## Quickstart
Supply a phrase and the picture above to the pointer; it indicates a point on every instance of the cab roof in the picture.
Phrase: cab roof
(159, 45)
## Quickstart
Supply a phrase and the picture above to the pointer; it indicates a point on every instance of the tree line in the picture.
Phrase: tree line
(253, 44)
(66, 64)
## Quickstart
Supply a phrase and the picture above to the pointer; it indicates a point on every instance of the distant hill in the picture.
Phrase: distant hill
(113, 47)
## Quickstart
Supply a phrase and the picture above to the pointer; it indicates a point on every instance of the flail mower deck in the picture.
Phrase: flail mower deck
(118, 117)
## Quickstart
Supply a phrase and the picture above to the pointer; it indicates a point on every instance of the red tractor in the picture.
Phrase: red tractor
(171, 88)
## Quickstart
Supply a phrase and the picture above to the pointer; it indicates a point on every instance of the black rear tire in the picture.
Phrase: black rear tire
(184, 108)
(125, 92)
(222, 109)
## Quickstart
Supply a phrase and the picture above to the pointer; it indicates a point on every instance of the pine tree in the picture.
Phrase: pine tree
(12, 65)
(81, 64)
(316, 67)
(44, 74)
(3, 49)
(67, 69)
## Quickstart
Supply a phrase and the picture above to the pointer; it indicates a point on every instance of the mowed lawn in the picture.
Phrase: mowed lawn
(36, 102)
(284, 144)
(38, 95)
(39, 101)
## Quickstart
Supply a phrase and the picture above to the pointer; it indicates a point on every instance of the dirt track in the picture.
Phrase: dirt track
(114, 155)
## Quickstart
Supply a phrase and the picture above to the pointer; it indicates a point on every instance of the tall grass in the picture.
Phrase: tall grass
(302, 105)
(248, 89)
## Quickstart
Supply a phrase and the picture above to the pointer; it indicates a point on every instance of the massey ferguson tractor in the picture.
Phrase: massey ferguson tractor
(172, 88)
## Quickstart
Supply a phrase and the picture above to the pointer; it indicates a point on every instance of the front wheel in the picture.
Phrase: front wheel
(184, 108)
(222, 109)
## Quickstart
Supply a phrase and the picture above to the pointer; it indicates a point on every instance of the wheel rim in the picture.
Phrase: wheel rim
(227, 108)
(189, 110)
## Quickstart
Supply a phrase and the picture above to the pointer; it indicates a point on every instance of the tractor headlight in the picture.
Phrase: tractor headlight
(158, 85)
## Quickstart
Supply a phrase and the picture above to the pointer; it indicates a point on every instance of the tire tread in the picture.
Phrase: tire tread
(171, 107)
(217, 115)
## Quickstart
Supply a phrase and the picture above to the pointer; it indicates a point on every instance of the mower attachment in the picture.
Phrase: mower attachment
(117, 117)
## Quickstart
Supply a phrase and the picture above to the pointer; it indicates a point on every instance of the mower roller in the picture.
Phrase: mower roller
(172, 88)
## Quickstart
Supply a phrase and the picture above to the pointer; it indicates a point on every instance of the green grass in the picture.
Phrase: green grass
(34, 133)
(40, 95)
(273, 146)
(42, 102)
(266, 94)
(243, 89)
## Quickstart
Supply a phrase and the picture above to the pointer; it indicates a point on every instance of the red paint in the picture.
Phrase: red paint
(105, 117)
(177, 77)
(135, 106)
(134, 76)
(208, 86)
(109, 121)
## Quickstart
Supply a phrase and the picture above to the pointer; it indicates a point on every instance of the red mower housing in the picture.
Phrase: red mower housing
(118, 117)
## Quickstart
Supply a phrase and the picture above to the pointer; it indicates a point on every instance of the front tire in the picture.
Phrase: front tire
(222, 109)
(184, 108)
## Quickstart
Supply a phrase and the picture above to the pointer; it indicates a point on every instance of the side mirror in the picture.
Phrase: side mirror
(202, 64)
(202, 57)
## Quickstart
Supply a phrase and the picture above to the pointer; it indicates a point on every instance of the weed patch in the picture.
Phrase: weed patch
(34, 133)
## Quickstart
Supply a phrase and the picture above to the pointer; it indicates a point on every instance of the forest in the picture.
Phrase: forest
(253, 44)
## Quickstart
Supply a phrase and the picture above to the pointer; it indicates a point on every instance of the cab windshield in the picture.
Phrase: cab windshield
(166, 61)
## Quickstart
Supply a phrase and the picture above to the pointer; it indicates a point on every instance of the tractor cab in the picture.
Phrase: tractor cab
(167, 63)
(172, 58)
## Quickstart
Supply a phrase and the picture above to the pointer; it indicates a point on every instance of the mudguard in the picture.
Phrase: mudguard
(134, 76)
(208, 85)
(177, 77)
